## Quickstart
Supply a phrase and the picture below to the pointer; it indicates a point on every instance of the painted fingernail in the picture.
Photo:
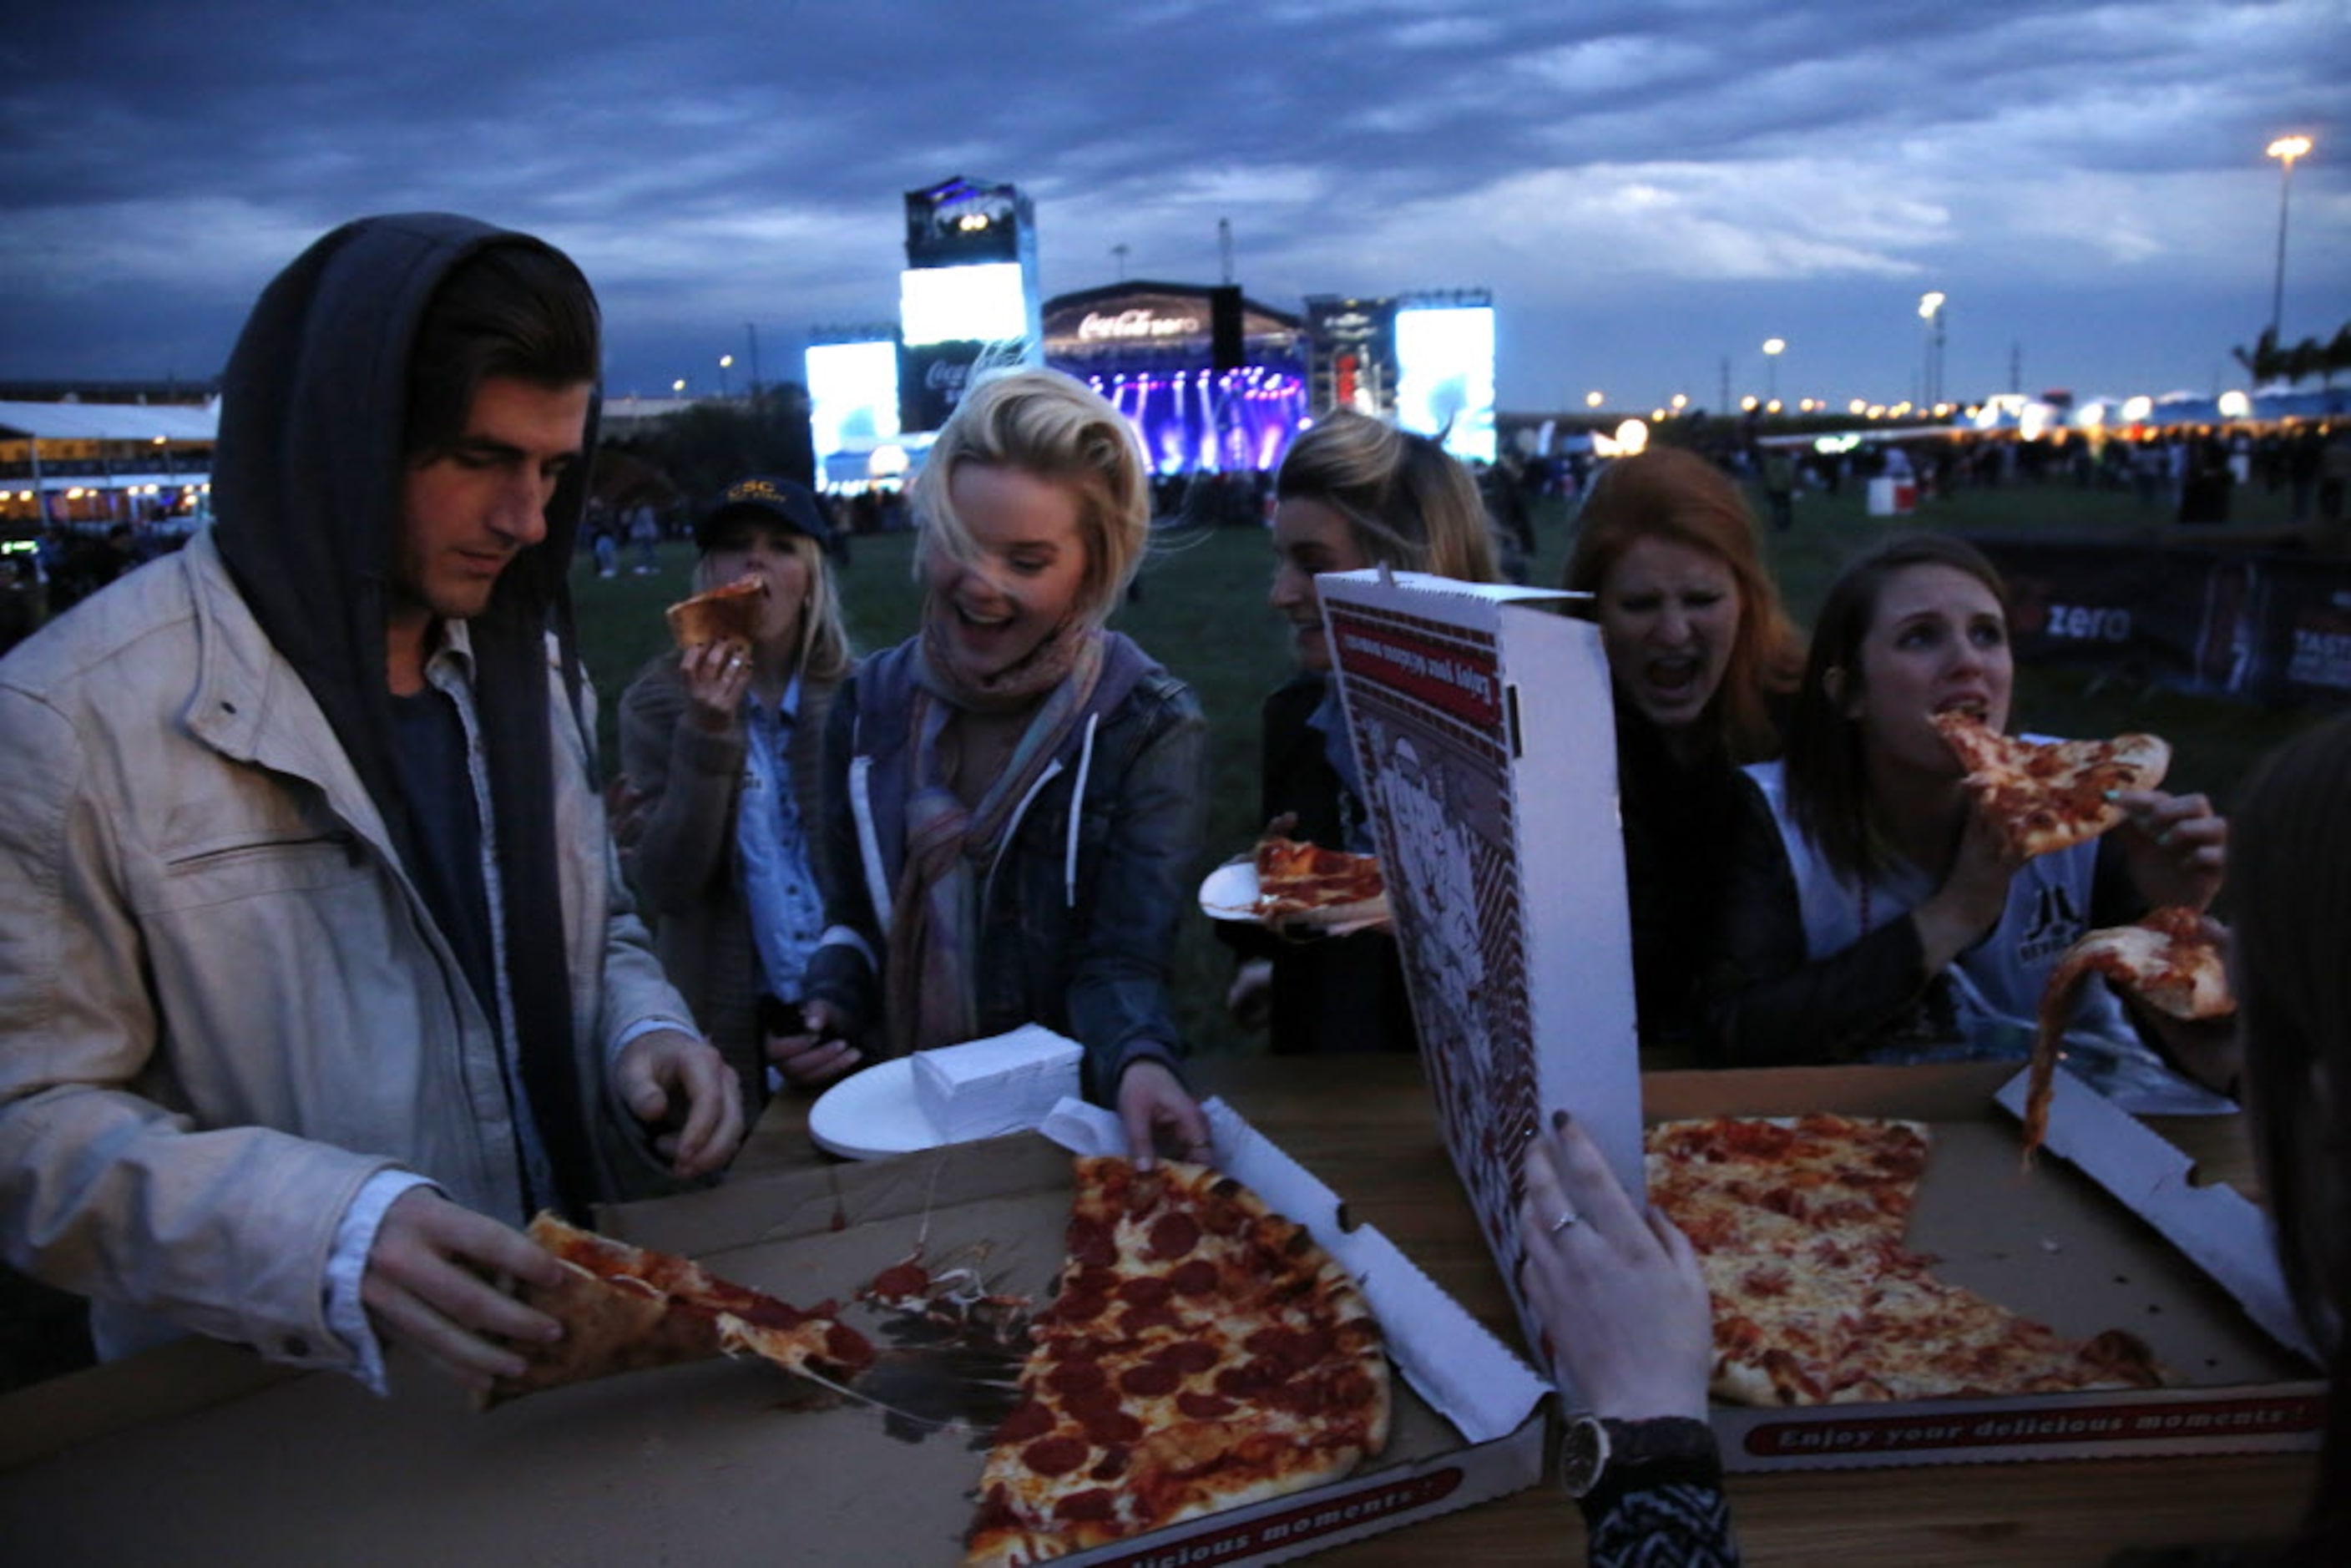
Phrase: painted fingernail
(2113, 794)
(1559, 1120)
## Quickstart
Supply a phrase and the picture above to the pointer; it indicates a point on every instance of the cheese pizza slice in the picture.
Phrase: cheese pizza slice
(2051, 795)
(728, 613)
(2169, 960)
(1799, 1228)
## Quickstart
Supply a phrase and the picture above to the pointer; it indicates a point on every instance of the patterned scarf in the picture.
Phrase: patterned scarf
(934, 925)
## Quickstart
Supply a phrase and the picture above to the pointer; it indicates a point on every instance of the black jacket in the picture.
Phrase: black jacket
(1682, 825)
(1330, 994)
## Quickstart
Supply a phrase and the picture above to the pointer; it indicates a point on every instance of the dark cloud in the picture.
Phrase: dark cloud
(1644, 185)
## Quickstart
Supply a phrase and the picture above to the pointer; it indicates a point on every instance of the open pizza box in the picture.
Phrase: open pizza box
(1485, 734)
(733, 1461)
(2113, 1232)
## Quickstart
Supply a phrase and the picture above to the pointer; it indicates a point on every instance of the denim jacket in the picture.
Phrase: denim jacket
(1079, 914)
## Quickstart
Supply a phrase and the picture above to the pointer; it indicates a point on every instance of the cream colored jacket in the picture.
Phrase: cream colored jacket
(222, 1004)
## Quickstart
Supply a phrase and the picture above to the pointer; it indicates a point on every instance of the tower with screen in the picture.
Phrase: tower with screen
(1445, 370)
(852, 383)
(969, 293)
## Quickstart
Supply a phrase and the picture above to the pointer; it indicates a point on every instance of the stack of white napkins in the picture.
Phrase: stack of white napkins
(1005, 1083)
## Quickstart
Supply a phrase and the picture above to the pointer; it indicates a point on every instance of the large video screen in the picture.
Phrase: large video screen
(965, 221)
(983, 303)
(1444, 376)
(853, 396)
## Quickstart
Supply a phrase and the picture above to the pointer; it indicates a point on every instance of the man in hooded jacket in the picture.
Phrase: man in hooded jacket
(317, 976)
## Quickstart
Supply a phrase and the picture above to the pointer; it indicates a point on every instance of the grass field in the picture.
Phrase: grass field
(1202, 613)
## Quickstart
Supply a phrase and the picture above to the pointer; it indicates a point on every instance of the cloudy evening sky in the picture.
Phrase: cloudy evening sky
(1649, 188)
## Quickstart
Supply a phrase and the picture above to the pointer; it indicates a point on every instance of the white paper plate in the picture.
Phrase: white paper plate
(1230, 891)
(873, 1115)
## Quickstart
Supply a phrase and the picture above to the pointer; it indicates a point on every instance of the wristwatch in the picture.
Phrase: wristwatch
(1597, 1454)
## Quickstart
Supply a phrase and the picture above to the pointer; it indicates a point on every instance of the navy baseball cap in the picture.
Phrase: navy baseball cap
(777, 502)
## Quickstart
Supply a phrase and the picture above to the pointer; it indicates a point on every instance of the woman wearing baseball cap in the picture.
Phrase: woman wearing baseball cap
(719, 748)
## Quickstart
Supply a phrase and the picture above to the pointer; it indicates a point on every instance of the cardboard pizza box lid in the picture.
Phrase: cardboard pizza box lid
(2215, 1227)
(1485, 736)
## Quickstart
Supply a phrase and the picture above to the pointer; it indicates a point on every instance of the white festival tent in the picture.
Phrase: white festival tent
(160, 433)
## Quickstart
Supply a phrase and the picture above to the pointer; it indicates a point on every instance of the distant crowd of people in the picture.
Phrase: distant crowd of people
(324, 953)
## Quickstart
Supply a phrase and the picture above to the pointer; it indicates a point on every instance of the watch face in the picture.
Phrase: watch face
(1582, 1454)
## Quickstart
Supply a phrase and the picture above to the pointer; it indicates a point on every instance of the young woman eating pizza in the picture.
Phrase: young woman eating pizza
(720, 746)
(1352, 493)
(1702, 660)
(1013, 800)
(1874, 912)
(1624, 1305)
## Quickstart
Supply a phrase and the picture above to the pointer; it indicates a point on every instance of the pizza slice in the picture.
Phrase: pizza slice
(1821, 1174)
(728, 613)
(2049, 795)
(1301, 883)
(2169, 959)
(1798, 1225)
(1200, 1352)
(626, 1309)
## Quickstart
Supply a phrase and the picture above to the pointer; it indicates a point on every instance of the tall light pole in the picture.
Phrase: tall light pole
(2285, 149)
(726, 363)
(1930, 313)
(1772, 349)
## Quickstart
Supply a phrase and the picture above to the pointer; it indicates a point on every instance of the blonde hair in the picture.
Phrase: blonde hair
(1056, 428)
(824, 654)
(1407, 503)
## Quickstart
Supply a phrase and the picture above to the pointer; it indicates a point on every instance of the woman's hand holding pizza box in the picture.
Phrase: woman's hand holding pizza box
(1627, 1329)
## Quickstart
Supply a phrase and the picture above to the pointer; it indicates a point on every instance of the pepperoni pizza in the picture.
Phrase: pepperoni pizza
(1304, 883)
(2051, 795)
(1201, 1352)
